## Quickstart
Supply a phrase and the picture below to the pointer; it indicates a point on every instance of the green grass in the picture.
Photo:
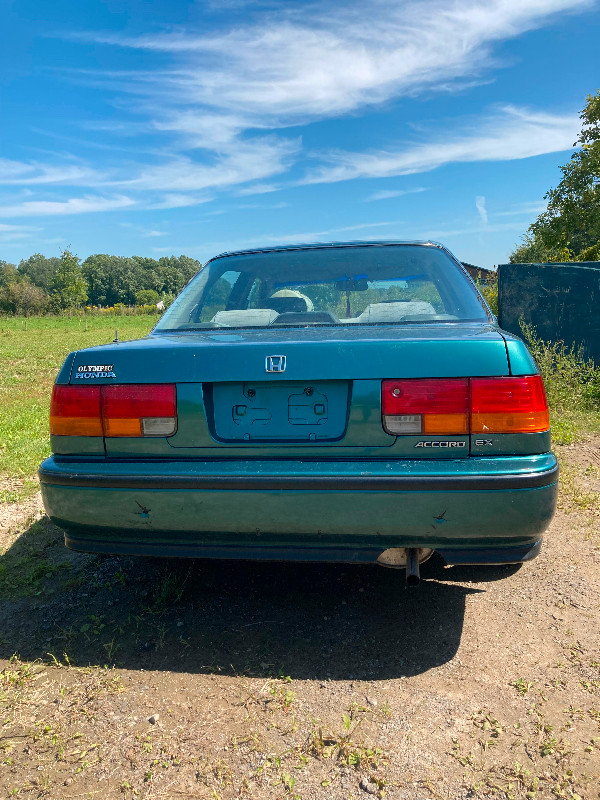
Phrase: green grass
(33, 558)
(490, 293)
(572, 386)
(32, 351)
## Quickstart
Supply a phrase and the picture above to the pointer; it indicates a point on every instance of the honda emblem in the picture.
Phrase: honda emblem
(275, 364)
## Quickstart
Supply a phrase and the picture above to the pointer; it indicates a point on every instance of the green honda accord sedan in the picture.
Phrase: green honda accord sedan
(350, 402)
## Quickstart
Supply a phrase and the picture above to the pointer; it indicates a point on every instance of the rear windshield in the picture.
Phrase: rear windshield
(359, 285)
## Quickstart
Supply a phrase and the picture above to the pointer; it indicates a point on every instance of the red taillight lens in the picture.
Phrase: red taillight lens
(428, 406)
(509, 405)
(141, 410)
(75, 411)
(128, 410)
(458, 406)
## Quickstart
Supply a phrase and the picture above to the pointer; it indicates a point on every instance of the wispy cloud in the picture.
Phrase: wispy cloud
(19, 173)
(263, 206)
(8, 228)
(291, 237)
(481, 209)
(298, 63)
(259, 188)
(510, 133)
(143, 232)
(74, 205)
(16, 233)
(248, 161)
(222, 102)
(524, 210)
(315, 236)
(228, 90)
(442, 233)
(171, 200)
(388, 194)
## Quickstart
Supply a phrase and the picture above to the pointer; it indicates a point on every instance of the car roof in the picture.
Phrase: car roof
(325, 246)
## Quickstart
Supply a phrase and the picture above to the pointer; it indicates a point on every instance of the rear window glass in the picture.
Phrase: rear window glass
(359, 285)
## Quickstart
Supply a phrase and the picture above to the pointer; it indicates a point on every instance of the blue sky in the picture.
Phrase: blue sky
(158, 128)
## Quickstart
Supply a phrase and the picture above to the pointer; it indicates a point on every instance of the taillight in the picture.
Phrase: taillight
(142, 410)
(75, 411)
(426, 406)
(127, 410)
(509, 405)
(458, 406)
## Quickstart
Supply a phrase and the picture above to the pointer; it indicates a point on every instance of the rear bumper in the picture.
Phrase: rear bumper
(363, 555)
(477, 510)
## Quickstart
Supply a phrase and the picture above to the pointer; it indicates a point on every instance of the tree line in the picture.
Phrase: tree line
(569, 228)
(40, 285)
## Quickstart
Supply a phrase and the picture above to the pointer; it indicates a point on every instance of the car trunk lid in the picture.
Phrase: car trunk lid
(316, 353)
(312, 387)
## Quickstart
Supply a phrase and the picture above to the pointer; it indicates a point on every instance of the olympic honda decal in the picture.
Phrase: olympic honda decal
(90, 371)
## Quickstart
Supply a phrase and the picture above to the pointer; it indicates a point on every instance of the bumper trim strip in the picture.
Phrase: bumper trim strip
(351, 555)
(325, 483)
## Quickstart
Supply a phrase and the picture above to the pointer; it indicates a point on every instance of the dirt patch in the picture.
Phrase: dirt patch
(16, 516)
(296, 681)
(582, 461)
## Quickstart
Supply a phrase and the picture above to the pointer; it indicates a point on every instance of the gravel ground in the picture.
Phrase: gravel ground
(141, 679)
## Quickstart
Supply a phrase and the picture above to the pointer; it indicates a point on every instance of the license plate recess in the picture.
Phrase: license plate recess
(280, 412)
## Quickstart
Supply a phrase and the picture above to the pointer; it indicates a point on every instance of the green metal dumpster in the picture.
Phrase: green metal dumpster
(562, 301)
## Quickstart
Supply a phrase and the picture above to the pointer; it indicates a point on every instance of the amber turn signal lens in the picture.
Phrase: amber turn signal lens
(449, 424)
(122, 427)
(75, 426)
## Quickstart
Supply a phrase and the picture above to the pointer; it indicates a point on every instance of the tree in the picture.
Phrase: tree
(17, 294)
(174, 272)
(147, 297)
(569, 228)
(8, 273)
(113, 279)
(40, 270)
(22, 297)
(68, 287)
(148, 270)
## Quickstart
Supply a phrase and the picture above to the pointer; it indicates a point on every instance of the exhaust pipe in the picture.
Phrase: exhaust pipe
(412, 567)
(407, 558)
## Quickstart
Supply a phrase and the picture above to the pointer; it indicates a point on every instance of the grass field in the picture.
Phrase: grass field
(31, 353)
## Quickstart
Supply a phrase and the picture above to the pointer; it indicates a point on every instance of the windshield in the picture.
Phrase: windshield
(357, 285)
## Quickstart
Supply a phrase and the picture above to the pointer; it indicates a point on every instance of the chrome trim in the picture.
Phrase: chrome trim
(275, 363)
